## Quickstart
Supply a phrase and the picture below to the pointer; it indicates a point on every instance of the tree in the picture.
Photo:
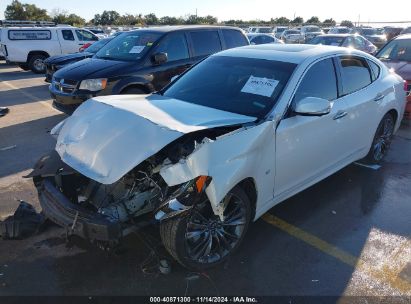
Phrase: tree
(107, 18)
(62, 17)
(329, 22)
(313, 20)
(281, 20)
(18, 11)
(167, 20)
(347, 23)
(151, 19)
(297, 20)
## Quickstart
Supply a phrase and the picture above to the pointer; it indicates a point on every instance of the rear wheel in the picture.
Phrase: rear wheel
(382, 140)
(200, 240)
(36, 64)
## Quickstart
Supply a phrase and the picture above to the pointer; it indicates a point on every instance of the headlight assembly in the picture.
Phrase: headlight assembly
(93, 84)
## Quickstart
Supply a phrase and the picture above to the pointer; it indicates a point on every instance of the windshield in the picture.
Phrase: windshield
(312, 29)
(265, 30)
(291, 32)
(397, 50)
(327, 40)
(96, 46)
(129, 46)
(369, 31)
(244, 86)
(343, 30)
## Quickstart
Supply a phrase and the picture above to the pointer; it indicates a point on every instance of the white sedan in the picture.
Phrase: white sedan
(235, 135)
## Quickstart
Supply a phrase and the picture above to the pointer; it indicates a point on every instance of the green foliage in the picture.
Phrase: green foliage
(297, 20)
(329, 22)
(18, 11)
(347, 23)
(313, 20)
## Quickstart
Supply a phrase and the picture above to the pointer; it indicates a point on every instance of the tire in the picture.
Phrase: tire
(382, 140)
(36, 64)
(134, 90)
(223, 239)
(24, 66)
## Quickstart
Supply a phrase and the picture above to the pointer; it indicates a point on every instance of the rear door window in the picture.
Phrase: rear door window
(375, 69)
(234, 38)
(67, 35)
(205, 42)
(175, 46)
(320, 81)
(355, 73)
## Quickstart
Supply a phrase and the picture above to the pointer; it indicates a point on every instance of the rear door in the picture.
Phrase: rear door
(178, 59)
(363, 94)
(309, 148)
(68, 41)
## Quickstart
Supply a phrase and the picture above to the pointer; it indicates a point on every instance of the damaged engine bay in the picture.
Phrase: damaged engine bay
(140, 192)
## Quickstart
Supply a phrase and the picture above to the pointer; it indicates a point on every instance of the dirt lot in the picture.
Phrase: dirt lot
(348, 235)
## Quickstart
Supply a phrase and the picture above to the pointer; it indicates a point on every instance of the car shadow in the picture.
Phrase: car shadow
(25, 143)
(24, 95)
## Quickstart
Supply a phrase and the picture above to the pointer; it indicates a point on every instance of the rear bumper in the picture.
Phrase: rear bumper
(76, 219)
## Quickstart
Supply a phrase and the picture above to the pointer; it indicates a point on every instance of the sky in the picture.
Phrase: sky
(367, 10)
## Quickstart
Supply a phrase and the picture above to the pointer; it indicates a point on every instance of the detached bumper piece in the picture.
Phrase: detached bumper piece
(76, 219)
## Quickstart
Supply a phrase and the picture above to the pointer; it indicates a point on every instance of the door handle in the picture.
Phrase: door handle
(340, 114)
(379, 97)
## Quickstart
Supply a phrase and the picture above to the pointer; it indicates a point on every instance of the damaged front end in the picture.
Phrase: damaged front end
(109, 212)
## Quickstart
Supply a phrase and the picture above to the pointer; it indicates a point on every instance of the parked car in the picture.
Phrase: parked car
(235, 135)
(99, 33)
(392, 32)
(278, 30)
(55, 63)
(407, 30)
(260, 29)
(396, 55)
(346, 40)
(339, 30)
(30, 46)
(310, 31)
(375, 36)
(140, 62)
(292, 36)
(255, 38)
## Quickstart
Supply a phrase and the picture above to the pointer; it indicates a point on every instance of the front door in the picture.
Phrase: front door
(310, 147)
(178, 59)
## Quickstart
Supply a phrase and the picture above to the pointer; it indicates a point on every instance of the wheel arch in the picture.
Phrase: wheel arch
(32, 53)
(249, 186)
(140, 86)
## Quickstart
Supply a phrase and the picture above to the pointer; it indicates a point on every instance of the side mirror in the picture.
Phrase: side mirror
(159, 58)
(313, 106)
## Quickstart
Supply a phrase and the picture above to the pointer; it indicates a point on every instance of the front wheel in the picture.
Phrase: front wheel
(200, 240)
(382, 140)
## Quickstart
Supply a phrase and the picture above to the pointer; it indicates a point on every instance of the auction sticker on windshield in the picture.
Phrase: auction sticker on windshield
(137, 49)
(260, 86)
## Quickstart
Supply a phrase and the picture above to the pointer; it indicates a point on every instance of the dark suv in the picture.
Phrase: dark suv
(140, 62)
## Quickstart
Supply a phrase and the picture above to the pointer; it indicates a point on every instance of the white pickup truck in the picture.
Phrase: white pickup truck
(30, 46)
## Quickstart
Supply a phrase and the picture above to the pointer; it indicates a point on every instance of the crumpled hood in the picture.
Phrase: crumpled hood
(108, 136)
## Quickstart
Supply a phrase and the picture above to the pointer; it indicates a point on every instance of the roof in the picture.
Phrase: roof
(260, 34)
(171, 28)
(294, 53)
(339, 35)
